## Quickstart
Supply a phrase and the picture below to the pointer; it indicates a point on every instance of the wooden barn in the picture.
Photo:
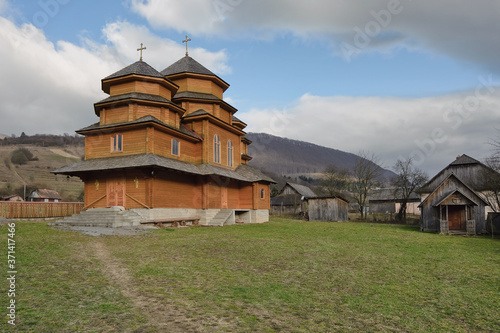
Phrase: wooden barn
(291, 200)
(388, 201)
(167, 145)
(328, 209)
(453, 200)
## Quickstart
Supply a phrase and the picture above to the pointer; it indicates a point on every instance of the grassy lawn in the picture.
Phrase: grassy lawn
(282, 276)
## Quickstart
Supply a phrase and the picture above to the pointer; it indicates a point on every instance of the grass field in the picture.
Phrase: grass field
(282, 276)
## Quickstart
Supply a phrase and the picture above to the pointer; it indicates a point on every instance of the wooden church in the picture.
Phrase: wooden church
(167, 146)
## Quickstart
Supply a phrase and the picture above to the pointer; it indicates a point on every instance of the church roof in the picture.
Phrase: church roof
(199, 112)
(139, 68)
(145, 119)
(242, 173)
(135, 95)
(186, 65)
(197, 95)
(238, 120)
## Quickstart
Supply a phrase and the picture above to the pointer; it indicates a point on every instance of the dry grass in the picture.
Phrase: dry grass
(282, 276)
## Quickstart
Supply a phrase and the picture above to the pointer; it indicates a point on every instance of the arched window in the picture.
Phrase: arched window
(262, 193)
(175, 147)
(229, 153)
(216, 149)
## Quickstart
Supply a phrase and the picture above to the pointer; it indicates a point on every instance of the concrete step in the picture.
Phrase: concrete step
(112, 217)
(223, 217)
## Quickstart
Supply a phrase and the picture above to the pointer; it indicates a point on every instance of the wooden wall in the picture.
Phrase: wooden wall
(328, 209)
(141, 87)
(176, 190)
(199, 85)
(430, 214)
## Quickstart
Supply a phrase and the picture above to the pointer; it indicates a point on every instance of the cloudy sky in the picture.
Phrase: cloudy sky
(398, 78)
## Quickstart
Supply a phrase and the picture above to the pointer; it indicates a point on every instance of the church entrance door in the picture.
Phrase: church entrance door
(223, 197)
(116, 193)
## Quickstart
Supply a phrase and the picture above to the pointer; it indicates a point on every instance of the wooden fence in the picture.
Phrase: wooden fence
(32, 210)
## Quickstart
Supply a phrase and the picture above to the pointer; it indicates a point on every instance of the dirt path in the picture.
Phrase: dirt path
(160, 312)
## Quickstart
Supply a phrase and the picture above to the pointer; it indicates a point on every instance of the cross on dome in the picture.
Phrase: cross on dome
(186, 41)
(140, 49)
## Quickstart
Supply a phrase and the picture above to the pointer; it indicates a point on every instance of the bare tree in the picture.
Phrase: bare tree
(408, 179)
(490, 183)
(335, 180)
(366, 174)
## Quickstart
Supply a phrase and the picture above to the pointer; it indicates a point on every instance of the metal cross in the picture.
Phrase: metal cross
(186, 41)
(140, 49)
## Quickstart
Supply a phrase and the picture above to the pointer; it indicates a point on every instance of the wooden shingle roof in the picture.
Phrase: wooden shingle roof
(243, 172)
(146, 119)
(138, 68)
(186, 65)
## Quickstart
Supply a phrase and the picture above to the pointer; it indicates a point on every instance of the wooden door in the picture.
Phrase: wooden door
(116, 193)
(223, 197)
(455, 217)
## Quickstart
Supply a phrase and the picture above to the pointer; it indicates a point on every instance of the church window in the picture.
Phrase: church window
(117, 143)
(216, 149)
(175, 147)
(230, 153)
(262, 193)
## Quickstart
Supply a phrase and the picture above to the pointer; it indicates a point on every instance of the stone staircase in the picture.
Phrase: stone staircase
(223, 217)
(112, 217)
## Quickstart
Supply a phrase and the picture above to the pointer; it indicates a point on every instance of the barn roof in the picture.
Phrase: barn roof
(301, 189)
(243, 172)
(464, 159)
(461, 183)
(461, 161)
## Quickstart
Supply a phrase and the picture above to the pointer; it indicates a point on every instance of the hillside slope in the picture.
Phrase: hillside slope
(36, 174)
(284, 156)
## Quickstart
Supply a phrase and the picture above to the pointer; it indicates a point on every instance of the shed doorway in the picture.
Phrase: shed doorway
(455, 217)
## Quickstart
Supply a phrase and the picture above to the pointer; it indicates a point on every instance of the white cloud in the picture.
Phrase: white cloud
(160, 52)
(462, 29)
(431, 130)
(51, 88)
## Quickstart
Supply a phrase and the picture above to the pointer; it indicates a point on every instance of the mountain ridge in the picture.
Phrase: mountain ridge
(283, 156)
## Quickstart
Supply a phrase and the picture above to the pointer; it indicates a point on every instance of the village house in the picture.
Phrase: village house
(167, 146)
(44, 195)
(453, 201)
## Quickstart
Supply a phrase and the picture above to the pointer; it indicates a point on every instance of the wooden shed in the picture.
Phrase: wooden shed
(291, 200)
(328, 209)
(388, 201)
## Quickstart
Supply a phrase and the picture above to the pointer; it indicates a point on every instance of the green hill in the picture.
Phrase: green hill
(36, 173)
